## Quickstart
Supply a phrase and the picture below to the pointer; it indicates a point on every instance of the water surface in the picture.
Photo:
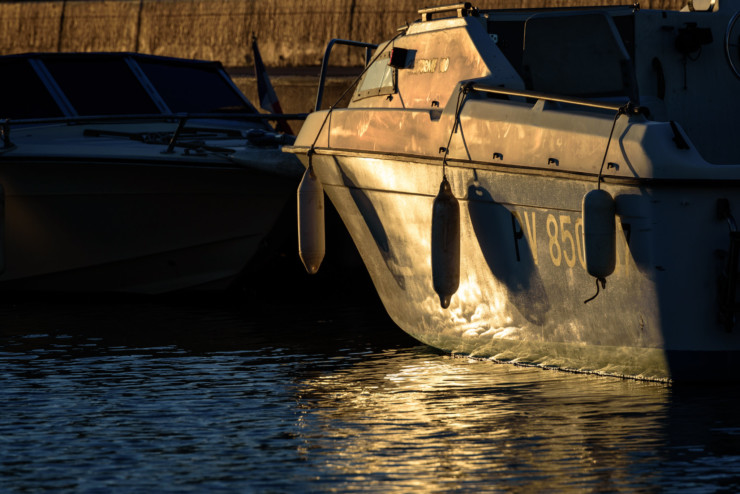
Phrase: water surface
(184, 396)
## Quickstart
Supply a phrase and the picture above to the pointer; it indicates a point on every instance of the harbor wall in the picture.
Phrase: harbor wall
(291, 34)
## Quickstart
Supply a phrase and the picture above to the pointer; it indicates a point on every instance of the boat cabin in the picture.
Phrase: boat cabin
(677, 66)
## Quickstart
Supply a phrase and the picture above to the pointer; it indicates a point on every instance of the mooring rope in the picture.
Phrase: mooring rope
(622, 111)
(464, 90)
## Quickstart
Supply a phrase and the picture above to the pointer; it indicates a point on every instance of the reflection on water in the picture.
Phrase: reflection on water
(464, 424)
(138, 396)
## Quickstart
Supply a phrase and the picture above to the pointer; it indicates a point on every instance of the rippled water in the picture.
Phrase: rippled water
(139, 396)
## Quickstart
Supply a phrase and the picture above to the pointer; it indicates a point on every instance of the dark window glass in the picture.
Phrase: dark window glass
(22, 94)
(193, 89)
(100, 86)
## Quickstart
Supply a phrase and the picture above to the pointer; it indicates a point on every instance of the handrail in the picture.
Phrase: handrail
(462, 10)
(635, 6)
(181, 119)
(157, 116)
(325, 63)
(571, 100)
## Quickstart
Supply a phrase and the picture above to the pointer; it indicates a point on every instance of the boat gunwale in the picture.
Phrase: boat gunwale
(224, 163)
(126, 118)
(517, 169)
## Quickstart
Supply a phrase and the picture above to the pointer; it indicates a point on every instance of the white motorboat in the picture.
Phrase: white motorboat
(552, 187)
(130, 173)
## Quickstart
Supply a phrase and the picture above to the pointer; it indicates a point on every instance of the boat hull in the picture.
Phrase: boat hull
(134, 226)
(523, 282)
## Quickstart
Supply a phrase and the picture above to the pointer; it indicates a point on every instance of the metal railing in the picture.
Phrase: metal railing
(180, 118)
(571, 100)
(462, 9)
(325, 63)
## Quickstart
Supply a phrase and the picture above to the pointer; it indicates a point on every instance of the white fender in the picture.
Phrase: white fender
(311, 236)
(445, 244)
(599, 233)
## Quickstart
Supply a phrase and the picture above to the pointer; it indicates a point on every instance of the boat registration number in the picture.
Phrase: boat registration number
(560, 237)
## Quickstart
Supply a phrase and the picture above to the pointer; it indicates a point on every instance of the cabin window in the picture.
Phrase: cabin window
(100, 85)
(380, 78)
(22, 93)
(206, 89)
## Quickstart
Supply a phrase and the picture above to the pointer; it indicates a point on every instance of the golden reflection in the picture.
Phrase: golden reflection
(432, 422)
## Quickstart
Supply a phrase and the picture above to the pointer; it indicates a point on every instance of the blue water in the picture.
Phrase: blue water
(183, 396)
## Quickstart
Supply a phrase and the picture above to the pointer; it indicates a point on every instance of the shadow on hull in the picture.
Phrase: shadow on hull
(512, 265)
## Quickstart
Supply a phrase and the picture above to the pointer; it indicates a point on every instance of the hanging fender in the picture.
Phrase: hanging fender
(599, 233)
(311, 235)
(445, 244)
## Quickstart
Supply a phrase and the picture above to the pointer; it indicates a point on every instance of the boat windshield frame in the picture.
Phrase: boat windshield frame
(379, 79)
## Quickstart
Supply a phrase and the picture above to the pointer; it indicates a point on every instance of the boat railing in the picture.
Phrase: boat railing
(325, 63)
(571, 100)
(528, 11)
(180, 118)
(462, 10)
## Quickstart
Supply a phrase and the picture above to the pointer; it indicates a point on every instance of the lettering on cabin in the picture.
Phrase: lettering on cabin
(430, 65)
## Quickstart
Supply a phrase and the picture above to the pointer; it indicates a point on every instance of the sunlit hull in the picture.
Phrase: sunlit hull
(523, 278)
(528, 113)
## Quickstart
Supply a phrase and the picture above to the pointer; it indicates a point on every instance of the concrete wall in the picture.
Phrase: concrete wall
(290, 32)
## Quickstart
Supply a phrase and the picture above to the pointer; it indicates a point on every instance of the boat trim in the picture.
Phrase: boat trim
(157, 116)
(177, 161)
(51, 85)
(147, 85)
(518, 169)
(180, 118)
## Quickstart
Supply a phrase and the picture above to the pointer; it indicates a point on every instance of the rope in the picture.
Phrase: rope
(622, 111)
(464, 90)
(603, 285)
